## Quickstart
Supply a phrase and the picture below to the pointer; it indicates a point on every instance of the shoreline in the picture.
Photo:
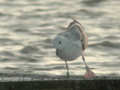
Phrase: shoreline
(33, 77)
(62, 85)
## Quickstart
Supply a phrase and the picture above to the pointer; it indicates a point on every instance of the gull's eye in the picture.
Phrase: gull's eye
(59, 42)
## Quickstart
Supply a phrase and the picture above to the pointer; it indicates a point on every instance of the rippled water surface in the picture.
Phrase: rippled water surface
(27, 28)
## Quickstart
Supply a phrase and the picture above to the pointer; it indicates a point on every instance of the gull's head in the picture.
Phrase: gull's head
(59, 42)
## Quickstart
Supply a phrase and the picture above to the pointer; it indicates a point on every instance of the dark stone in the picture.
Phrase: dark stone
(62, 85)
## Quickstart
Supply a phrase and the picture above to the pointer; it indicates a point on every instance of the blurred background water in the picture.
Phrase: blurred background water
(27, 28)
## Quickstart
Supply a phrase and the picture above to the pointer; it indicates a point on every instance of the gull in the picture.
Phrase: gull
(71, 44)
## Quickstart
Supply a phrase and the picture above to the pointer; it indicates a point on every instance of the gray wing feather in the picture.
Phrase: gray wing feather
(77, 28)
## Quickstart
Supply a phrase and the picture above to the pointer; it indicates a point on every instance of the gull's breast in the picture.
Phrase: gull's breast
(68, 54)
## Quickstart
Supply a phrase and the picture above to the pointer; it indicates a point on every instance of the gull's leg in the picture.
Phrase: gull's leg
(89, 73)
(67, 67)
(86, 66)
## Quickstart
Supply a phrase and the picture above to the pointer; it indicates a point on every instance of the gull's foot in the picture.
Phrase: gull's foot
(89, 74)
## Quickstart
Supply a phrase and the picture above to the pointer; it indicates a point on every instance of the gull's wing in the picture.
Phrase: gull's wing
(76, 28)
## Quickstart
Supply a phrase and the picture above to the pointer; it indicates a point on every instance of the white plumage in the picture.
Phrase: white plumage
(71, 43)
(67, 48)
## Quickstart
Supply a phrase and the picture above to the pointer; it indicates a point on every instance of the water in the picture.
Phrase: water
(27, 28)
